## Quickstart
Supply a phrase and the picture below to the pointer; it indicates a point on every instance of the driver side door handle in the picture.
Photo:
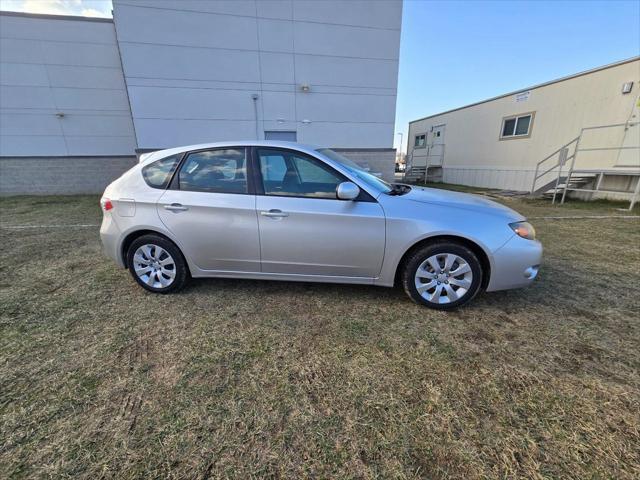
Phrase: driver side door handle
(274, 213)
(176, 207)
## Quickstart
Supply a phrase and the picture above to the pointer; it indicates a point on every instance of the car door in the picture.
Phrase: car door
(304, 228)
(210, 211)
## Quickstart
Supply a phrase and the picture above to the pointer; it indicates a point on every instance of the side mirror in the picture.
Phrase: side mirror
(348, 191)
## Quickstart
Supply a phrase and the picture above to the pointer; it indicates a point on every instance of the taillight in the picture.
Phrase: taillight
(106, 204)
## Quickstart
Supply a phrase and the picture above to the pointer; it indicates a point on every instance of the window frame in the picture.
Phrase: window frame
(517, 117)
(420, 135)
(175, 181)
(256, 174)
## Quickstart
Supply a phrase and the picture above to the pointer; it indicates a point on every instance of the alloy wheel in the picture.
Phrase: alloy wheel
(443, 278)
(154, 266)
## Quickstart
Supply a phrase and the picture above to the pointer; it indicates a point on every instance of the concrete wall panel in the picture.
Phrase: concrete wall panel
(365, 13)
(281, 9)
(17, 145)
(277, 68)
(225, 7)
(191, 103)
(71, 31)
(181, 27)
(350, 72)
(275, 35)
(167, 62)
(344, 41)
(154, 131)
(352, 135)
(346, 108)
(341, 49)
(23, 74)
(52, 66)
(89, 54)
(84, 77)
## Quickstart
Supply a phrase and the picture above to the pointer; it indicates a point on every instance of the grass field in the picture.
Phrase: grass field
(247, 379)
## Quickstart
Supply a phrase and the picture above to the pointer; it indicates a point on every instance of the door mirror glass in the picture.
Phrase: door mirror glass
(348, 191)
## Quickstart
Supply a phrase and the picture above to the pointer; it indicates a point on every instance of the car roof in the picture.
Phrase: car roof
(243, 143)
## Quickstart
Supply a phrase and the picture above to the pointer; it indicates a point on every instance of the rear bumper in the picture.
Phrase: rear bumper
(110, 235)
(515, 264)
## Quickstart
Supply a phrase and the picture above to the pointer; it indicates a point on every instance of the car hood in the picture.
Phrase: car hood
(476, 203)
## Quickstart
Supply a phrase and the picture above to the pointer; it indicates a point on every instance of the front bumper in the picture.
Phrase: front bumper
(515, 264)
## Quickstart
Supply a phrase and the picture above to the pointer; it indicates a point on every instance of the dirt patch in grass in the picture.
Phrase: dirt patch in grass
(243, 379)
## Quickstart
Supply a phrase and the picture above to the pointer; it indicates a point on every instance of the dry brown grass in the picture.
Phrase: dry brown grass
(247, 379)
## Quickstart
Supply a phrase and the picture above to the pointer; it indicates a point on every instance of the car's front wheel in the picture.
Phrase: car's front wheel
(442, 275)
(157, 264)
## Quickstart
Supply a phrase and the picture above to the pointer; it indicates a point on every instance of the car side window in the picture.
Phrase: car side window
(286, 173)
(158, 174)
(216, 171)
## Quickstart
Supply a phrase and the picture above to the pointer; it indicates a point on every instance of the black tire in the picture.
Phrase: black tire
(420, 255)
(181, 275)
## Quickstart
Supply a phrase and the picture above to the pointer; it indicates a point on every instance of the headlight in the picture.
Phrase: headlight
(524, 230)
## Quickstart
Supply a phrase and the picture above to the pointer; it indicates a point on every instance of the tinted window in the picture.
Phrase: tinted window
(222, 171)
(273, 167)
(287, 173)
(420, 140)
(509, 126)
(522, 128)
(158, 174)
(516, 126)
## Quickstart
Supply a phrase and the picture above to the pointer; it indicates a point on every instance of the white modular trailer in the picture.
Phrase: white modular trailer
(497, 143)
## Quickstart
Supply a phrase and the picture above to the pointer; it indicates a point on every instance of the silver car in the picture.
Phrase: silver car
(285, 211)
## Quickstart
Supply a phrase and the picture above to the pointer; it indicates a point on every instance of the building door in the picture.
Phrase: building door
(280, 135)
(435, 155)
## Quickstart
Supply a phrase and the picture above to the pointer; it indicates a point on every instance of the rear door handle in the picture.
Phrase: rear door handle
(176, 207)
(273, 213)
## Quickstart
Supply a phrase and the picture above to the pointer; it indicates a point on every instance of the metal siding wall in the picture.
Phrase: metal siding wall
(192, 67)
(50, 66)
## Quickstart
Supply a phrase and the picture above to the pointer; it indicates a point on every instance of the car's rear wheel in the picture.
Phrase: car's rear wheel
(442, 275)
(157, 264)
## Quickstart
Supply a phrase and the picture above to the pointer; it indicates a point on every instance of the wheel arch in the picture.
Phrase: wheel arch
(132, 236)
(480, 252)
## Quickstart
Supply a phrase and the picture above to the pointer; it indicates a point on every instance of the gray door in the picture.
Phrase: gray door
(211, 214)
(436, 146)
(305, 230)
(281, 135)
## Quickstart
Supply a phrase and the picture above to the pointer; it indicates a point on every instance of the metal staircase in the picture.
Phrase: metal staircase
(414, 174)
(556, 174)
(577, 182)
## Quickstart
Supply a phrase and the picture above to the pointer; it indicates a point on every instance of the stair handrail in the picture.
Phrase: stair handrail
(560, 163)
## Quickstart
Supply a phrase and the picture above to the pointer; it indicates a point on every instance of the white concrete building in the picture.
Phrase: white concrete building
(82, 96)
(62, 91)
(497, 143)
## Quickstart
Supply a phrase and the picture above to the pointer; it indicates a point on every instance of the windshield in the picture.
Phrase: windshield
(371, 180)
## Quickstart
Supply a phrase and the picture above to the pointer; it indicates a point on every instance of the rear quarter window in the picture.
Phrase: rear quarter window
(158, 174)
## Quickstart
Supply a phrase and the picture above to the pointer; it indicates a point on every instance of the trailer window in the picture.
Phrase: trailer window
(516, 126)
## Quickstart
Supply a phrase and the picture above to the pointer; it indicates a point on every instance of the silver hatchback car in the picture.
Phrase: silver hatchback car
(285, 211)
